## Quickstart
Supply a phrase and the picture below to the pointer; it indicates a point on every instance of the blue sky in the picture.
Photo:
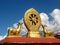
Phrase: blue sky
(11, 11)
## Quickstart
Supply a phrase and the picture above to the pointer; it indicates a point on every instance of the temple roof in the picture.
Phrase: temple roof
(29, 40)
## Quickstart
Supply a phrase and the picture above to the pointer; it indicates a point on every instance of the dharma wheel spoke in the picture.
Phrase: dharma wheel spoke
(31, 15)
(36, 18)
(30, 20)
(33, 19)
(34, 23)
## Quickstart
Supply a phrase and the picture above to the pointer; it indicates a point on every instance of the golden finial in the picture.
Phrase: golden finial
(32, 21)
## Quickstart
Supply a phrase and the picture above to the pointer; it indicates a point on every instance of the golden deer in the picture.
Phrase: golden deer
(48, 33)
(15, 31)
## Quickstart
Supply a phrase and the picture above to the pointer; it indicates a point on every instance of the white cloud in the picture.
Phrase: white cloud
(23, 30)
(56, 16)
(44, 18)
(21, 20)
(45, 21)
(2, 37)
(54, 24)
(15, 25)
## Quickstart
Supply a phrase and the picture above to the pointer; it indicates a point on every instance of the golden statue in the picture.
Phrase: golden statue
(48, 33)
(32, 21)
(14, 31)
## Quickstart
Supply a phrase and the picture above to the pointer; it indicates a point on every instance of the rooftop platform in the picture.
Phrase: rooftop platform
(29, 40)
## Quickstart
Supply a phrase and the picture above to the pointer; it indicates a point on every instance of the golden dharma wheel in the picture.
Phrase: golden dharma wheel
(32, 20)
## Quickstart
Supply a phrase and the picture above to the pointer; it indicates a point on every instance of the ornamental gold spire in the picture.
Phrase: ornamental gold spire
(32, 22)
